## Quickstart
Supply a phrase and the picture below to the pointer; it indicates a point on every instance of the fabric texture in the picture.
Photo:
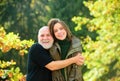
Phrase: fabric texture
(72, 72)
(38, 57)
(65, 45)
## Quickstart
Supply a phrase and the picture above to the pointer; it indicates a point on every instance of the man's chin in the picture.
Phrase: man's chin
(46, 46)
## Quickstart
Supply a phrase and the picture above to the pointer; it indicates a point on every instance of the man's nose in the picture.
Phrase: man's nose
(45, 37)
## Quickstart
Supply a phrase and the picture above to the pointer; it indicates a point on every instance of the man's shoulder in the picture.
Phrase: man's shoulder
(36, 46)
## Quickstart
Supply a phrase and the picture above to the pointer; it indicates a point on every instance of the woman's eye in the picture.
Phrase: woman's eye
(55, 30)
(61, 28)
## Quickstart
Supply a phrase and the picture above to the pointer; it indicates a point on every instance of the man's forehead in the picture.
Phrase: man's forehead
(44, 29)
(44, 33)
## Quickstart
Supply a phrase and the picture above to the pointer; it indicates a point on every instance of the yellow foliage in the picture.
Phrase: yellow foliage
(11, 40)
(103, 54)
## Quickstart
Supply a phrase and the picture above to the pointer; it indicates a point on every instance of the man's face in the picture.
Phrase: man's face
(45, 38)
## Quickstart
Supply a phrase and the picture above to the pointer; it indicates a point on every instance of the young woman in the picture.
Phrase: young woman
(66, 45)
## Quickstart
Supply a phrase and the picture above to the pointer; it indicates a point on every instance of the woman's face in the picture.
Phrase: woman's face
(59, 31)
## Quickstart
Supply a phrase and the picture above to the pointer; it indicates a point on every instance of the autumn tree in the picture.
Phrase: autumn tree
(8, 41)
(102, 56)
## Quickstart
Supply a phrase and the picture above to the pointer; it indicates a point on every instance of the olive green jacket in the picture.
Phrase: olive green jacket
(72, 72)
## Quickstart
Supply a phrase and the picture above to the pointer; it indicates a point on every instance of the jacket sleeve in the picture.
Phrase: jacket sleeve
(56, 75)
(76, 45)
(75, 73)
(54, 53)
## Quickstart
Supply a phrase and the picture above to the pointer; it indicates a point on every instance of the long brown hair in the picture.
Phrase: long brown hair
(51, 24)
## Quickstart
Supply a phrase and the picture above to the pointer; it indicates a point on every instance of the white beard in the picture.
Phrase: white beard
(46, 45)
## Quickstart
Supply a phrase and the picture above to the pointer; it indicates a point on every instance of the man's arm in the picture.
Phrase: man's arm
(55, 65)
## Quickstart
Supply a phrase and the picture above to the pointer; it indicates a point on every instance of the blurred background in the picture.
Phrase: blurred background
(95, 22)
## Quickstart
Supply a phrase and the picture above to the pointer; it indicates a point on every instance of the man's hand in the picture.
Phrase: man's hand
(59, 64)
(79, 59)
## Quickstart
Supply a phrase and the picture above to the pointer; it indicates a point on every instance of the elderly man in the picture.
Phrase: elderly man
(40, 62)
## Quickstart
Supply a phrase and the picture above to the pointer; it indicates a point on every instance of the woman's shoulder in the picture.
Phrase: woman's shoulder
(76, 41)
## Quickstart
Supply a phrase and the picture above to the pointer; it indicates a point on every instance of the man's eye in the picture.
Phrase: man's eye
(41, 35)
(48, 35)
